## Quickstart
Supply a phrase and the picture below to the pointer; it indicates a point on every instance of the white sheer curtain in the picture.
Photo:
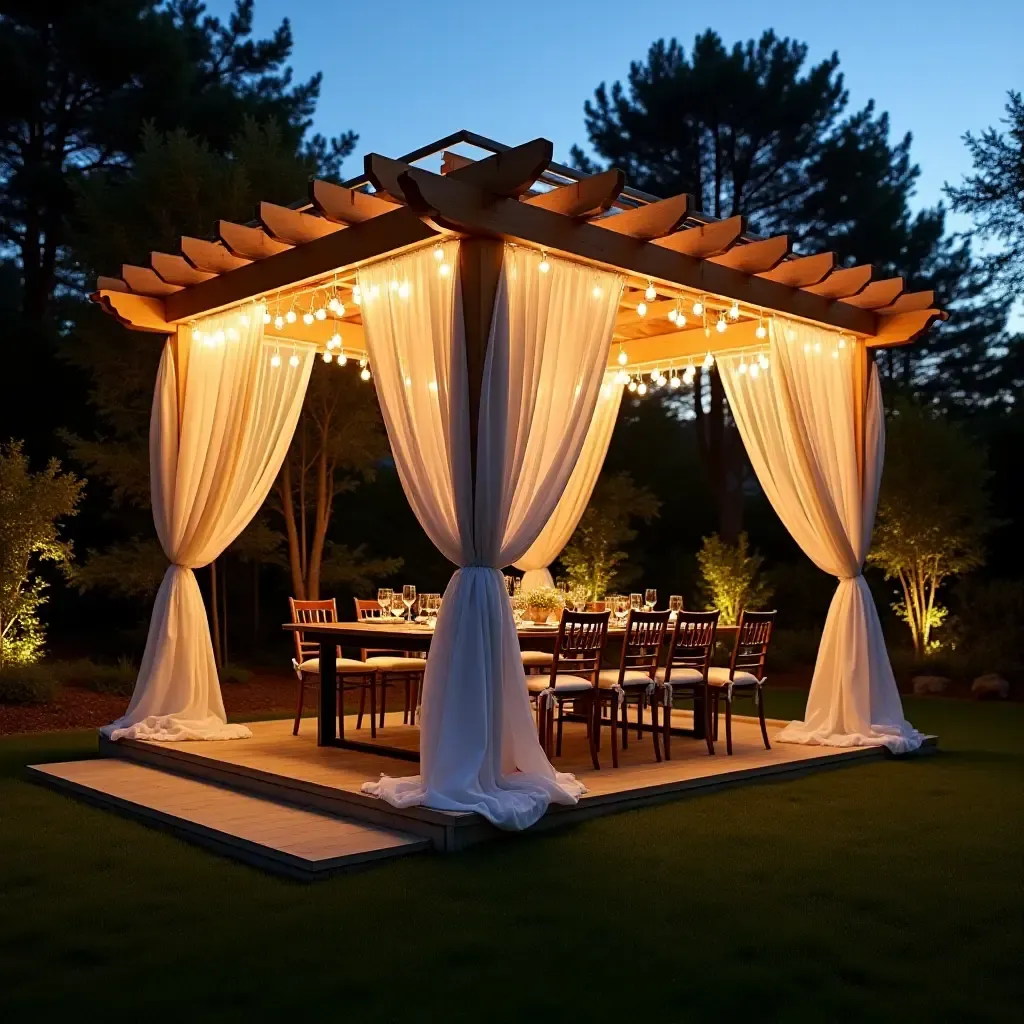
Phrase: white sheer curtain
(545, 362)
(573, 503)
(800, 423)
(224, 411)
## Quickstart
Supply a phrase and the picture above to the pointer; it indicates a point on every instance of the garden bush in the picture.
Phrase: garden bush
(27, 684)
(234, 674)
(116, 679)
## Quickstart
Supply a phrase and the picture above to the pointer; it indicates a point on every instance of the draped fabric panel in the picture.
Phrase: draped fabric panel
(803, 423)
(222, 420)
(573, 502)
(545, 361)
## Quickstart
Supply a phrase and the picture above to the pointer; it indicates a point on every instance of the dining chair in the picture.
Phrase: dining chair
(393, 667)
(352, 674)
(632, 681)
(685, 672)
(575, 665)
(745, 674)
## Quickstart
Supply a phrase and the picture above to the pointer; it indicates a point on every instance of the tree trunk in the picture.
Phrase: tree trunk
(215, 617)
(321, 522)
(288, 511)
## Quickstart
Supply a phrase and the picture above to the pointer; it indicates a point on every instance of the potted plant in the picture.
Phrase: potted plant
(543, 604)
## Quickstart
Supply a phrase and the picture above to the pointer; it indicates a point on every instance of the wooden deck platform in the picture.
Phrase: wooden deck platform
(294, 770)
(276, 837)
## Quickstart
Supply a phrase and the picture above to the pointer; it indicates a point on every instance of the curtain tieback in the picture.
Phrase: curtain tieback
(843, 578)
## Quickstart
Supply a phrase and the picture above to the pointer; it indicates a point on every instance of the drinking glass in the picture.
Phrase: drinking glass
(578, 596)
(384, 600)
(409, 598)
(675, 603)
(636, 601)
(397, 605)
(622, 604)
(650, 599)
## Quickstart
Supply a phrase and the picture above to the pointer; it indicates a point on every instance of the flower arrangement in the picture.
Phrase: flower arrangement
(543, 604)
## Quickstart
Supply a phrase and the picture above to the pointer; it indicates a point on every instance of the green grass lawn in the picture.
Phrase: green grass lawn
(887, 890)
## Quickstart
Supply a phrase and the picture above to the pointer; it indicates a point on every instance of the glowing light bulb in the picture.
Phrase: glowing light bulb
(632, 385)
(408, 382)
(807, 346)
(623, 358)
(357, 295)
(363, 361)
(364, 373)
(232, 334)
(734, 311)
(721, 325)
(652, 293)
(742, 368)
(641, 388)
(597, 291)
(432, 385)
(244, 319)
(290, 316)
(266, 317)
(307, 318)
(403, 290)
(842, 343)
(709, 361)
(375, 292)
(761, 331)
(672, 314)
(275, 360)
(698, 308)
(674, 381)
(321, 313)
(661, 380)
(328, 355)
(278, 321)
(293, 360)
(688, 374)
(817, 347)
(641, 309)
(439, 252)
(544, 266)
(342, 358)
(393, 286)
(835, 353)
(763, 360)
(444, 269)
(754, 371)
(339, 309)
(621, 378)
(333, 305)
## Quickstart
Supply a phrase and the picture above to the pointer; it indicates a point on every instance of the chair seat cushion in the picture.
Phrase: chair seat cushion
(681, 676)
(534, 658)
(312, 665)
(720, 677)
(563, 684)
(387, 663)
(609, 677)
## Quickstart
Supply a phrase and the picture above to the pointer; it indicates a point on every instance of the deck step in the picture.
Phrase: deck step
(264, 833)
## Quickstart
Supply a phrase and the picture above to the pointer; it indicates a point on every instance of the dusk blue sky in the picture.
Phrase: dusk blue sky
(404, 72)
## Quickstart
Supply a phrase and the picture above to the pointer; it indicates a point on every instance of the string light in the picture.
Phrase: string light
(444, 270)
(688, 374)
(652, 293)
(641, 388)
(394, 285)
(432, 385)
(762, 331)
(334, 341)
(817, 347)
(321, 313)
(672, 315)
(244, 319)
(290, 316)
(754, 371)
(632, 384)
(307, 318)
(661, 380)
(721, 325)
(293, 360)
(328, 355)
(544, 266)
(597, 291)
(278, 322)
(342, 359)
(623, 358)
(709, 361)
(275, 360)
(621, 378)
(335, 306)
(439, 252)
(698, 308)
(403, 290)
(232, 334)
(763, 360)
(674, 381)
(641, 309)
(742, 368)
(734, 311)
(266, 316)
(842, 342)
(364, 373)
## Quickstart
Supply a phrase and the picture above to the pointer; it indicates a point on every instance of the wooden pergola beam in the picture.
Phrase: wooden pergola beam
(293, 226)
(901, 328)
(177, 270)
(346, 205)
(248, 243)
(210, 256)
(136, 312)
(755, 257)
(453, 205)
(146, 281)
(584, 198)
(391, 232)
(510, 173)
(841, 283)
(655, 220)
(877, 294)
(705, 240)
(909, 302)
(803, 270)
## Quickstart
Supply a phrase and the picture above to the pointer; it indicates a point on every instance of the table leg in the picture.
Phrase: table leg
(699, 731)
(327, 720)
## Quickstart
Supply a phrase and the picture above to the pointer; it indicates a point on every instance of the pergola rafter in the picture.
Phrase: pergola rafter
(517, 195)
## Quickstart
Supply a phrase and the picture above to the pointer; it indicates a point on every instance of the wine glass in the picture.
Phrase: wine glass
(622, 604)
(675, 604)
(384, 600)
(650, 599)
(636, 601)
(409, 598)
(397, 605)
(578, 596)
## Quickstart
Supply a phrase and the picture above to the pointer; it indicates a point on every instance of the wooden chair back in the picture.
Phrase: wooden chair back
(580, 644)
(310, 612)
(641, 646)
(752, 639)
(692, 643)
(366, 610)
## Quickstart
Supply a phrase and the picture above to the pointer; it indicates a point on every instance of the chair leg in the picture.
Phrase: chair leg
(728, 725)
(594, 714)
(639, 719)
(760, 714)
(558, 738)
(596, 723)
(362, 707)
(716, 715)
(707, 723)
(667, 730)
(623, 714)
(298, 710)
(617, 713)
(654, 730)
(373, 707)
(383, 697)
(540, 724)
(555, 704)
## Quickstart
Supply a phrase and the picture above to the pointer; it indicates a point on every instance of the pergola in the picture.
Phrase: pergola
(433, 277)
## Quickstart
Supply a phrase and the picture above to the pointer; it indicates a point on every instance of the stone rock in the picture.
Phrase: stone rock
(923, 685)
(992, 684)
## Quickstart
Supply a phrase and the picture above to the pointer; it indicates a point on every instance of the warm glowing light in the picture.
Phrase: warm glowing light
(408, 382)
(641, 388)
(328, 356)
(698, 308)
(342, 358)
(721, 325)
(334, 341)
(761, 332)
(275, 360)
(621, 378)
(632, 385)
(232, 334)
(754, 371)
(742, 368)
(597, 291)
(652, 293)
(290, 316)
(321, 314)
(807, 346)
(544, 266)
(357, 295)
(244, 319)
(432, 385)
(709, 361)
(335, 306)
(364, 373)
(688, 374)
(266, 317)
(278, 321)
(734, 311)
(763, 360)
(444, 269)
(623, 358)
(403, 290)
(672, 315)
(842, 343)
(641, 309)
(661, 380)
(307, 318)
(293, 361)
(674, 381)
(835, 353)
(817, 347)
(439, 253)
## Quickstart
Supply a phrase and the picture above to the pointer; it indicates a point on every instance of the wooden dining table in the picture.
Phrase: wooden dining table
(402, 635)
